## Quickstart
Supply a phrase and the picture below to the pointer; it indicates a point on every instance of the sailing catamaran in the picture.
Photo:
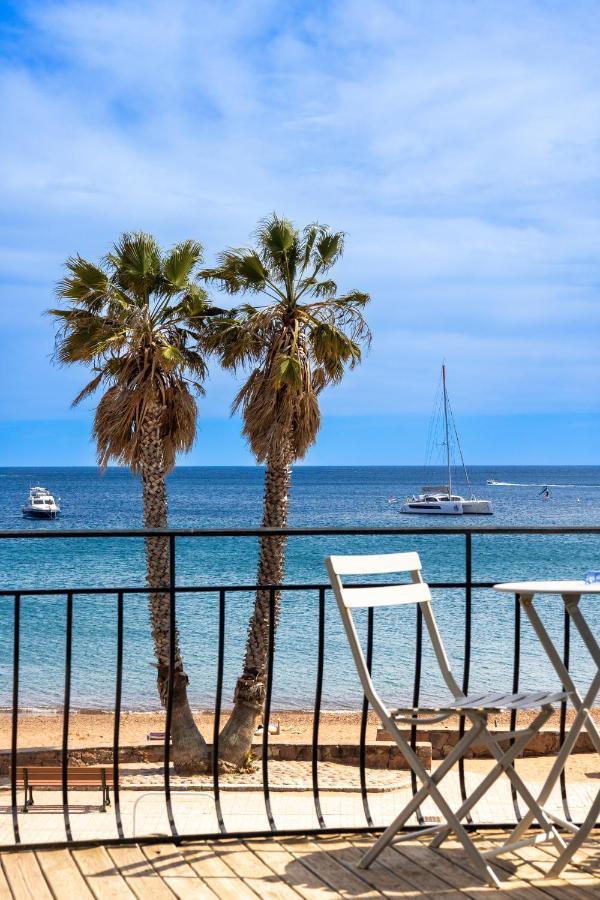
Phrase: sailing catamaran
(439, 499)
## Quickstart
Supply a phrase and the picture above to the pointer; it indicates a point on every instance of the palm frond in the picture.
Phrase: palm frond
(138, 320)
(324, 288)
(87, 285)
(292, 349)
(136, 263)
(89, 389)
(238, 270)
(309, 237)
(329, 248)
(180, 264)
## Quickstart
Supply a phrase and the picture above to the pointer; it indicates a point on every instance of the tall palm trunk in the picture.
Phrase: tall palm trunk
(189, 747)
(236, 738)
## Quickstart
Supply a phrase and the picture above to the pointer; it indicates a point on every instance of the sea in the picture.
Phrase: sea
(213, 497)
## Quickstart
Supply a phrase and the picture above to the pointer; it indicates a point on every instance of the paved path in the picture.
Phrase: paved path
(143, 811)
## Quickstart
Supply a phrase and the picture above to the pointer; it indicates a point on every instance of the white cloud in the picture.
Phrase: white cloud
(458, 144)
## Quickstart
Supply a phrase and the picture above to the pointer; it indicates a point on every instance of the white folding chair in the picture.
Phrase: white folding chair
(476, 707)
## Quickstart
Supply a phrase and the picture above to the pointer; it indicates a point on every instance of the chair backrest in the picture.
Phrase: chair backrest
(378, 595)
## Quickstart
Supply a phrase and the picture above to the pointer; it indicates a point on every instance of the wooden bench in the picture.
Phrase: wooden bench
(99, 777)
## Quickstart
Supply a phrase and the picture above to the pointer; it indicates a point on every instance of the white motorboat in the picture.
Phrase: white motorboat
(40, 504)
(440, 500)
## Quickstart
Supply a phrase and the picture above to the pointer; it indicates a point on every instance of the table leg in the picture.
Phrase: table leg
(572, 605)
(582, 705)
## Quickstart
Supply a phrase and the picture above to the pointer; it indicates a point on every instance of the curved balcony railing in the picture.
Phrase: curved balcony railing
(222, 593)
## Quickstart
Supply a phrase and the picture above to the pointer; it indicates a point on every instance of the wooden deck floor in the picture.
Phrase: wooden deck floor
(319, 869)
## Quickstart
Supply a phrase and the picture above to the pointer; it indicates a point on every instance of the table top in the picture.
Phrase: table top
(548, 587)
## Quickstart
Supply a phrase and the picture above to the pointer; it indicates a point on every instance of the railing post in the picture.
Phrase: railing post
(218, 700)
(66, 712)
(317, 709)
(467, 655)
(363, 723)
(118, 692)
(170, 684)
(267, 711)
(515, 687)
(563, 713)
(415, 700)
(15, 717)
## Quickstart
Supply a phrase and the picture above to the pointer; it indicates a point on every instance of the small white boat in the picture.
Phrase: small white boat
(440, 500)
(40, 504)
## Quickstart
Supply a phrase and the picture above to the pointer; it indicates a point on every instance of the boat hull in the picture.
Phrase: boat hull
(40, 513)
(440, 508)
(477, 508)
(447, 508)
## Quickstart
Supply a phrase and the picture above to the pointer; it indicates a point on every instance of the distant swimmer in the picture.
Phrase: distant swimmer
(545, 493)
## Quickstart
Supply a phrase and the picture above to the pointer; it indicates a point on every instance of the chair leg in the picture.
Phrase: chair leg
(429, 789)
(426, 780)
(503, 764)
(535, 808)
(577, 839)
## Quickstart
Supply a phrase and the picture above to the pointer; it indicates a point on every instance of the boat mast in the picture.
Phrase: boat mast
(447, 432)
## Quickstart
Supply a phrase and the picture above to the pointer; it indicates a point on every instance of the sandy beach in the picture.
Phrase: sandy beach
(95, 729)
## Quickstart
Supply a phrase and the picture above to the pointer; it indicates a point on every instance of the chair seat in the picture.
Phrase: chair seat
(493, 701)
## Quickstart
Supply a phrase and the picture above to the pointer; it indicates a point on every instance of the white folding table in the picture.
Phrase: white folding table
(571, 593)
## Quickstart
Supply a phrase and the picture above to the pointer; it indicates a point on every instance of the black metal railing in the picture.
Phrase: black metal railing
(174, 590)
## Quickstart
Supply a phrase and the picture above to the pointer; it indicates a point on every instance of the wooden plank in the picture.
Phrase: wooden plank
(139, 874)
(5, 893)
(179, 876)
(253, 871)
(586, 862)
(528, 863)
(391, 884)
(205, 860)
(215, 872)
(62, 874)
(412, 873)
(314, 856)
(168, 861)
(231, 888)
(189, 888)
(519, 889)
(24, 875)
(101, 875)
(291, 870)
(469, 884)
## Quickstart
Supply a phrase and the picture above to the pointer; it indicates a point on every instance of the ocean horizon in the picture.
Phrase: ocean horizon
(230, 497)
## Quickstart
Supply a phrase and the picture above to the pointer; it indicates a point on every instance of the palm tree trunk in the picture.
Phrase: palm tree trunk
(236, 739)
(190, 752)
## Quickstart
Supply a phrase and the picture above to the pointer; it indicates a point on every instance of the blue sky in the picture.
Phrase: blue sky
(457, 143)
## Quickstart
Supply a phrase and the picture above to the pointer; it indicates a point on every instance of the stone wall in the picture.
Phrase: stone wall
(378, 756)
(443, 740)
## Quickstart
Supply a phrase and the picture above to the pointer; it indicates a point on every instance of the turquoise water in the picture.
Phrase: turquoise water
(231, 497)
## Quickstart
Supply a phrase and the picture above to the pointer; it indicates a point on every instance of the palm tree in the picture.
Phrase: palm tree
(136, 319)
(301, 338)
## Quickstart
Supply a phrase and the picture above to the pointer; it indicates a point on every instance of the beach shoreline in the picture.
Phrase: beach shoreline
(95, 728)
